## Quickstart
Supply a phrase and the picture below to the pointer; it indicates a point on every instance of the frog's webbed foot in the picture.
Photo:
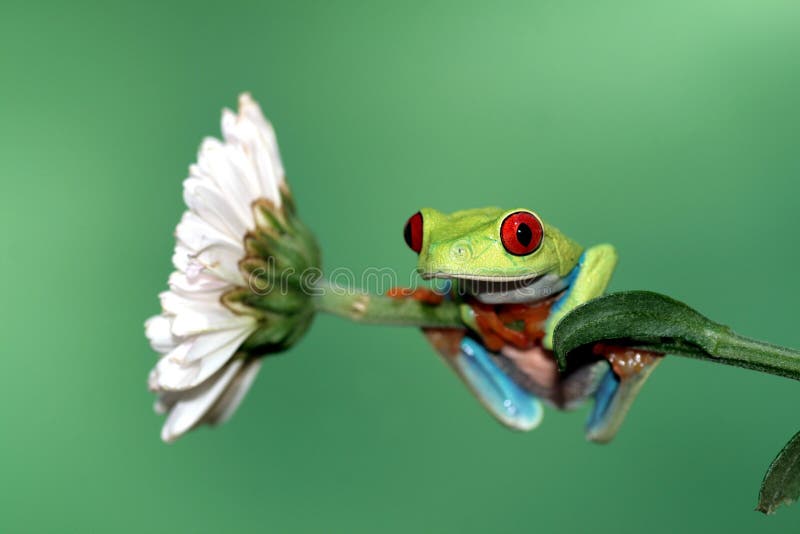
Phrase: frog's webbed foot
(628, 370)
(421, 294)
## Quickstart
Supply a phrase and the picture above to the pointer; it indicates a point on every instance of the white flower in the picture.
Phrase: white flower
(201, 376)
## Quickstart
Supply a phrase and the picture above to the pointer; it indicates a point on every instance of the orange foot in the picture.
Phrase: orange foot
(626, 361)
(495, 324)
(420, 294)
(494, 332)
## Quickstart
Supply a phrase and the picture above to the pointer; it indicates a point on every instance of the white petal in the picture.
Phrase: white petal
(183, 260)
(164, 402)
(255, 134)
(250, 112)
(168, 369)
(199, 312)
(202, 346)
(204, 287)
(158, 331)
(192, 406)
(201, 302)
(198, 336)
(220, 260)
(198, 235)
(233, 396)
(190, 324)
(218, 160)
(230, 169)
(170, 374)
(206, 200)
(202, 282)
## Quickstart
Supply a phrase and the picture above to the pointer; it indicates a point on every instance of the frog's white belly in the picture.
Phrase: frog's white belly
(529, 290)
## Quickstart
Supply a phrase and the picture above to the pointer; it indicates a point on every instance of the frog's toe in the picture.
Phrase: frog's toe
(600, 418)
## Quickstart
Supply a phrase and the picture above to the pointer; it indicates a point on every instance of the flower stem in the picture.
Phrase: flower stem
(372, 308)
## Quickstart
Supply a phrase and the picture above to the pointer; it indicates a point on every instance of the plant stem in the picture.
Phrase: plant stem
(740, 351)
(706, 340)
(371, 308)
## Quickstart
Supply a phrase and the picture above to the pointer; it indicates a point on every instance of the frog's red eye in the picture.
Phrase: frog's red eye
(521, 233)
(413, 232)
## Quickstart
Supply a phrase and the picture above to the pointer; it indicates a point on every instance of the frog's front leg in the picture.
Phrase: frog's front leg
(589, 280)
(628, 368)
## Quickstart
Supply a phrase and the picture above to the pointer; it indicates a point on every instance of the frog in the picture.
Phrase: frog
(515, 277)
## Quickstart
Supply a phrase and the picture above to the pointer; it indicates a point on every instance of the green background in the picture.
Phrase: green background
(670, 129)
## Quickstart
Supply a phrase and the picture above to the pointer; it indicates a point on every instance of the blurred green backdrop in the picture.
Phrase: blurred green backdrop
(669, 129)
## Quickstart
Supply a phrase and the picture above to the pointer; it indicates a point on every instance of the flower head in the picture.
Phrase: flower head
(223, 309)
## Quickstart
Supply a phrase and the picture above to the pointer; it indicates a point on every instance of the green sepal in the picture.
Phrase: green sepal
(278, 301)
(277, 335)
(281, 263)
(281, 252)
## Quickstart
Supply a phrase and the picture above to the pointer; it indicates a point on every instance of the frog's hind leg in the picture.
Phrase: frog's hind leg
(510, 403)
(513, 405)
(626, 374)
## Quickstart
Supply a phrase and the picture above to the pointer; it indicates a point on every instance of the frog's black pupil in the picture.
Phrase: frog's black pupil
(407, 234)
(524, 234)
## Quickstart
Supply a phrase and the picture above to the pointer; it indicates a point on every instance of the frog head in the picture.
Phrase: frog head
(495, 250)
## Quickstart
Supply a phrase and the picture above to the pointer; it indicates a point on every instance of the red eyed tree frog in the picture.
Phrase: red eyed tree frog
(515, 277)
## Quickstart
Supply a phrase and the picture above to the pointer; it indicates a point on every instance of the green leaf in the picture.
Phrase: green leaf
(781, 484)
(655, 322)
